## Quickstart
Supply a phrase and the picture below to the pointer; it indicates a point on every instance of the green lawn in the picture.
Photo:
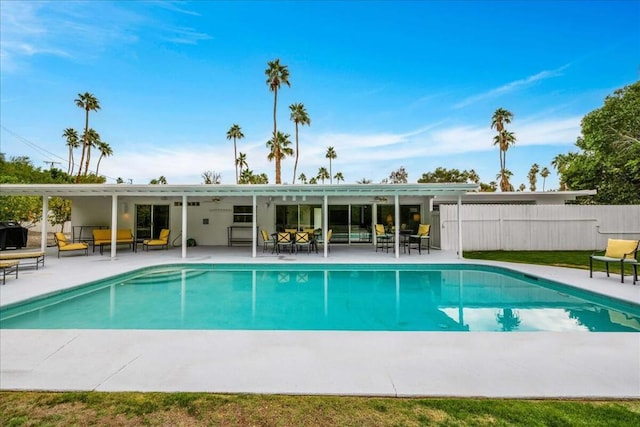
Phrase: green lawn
(195, 409)
(573, 259)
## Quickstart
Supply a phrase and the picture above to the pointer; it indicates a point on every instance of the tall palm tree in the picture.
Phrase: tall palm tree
(88, 102)
(277, 75)
(72, 142)
(279, 150)
(105, 151)
(499, 119)
(323, 174)
(331, 154)
(339, 177)
(504, 176)
(560, 163)
(241, 163)
(91, 138)
(533, 176)
(235, 133)
(299, 116)
(544, 173)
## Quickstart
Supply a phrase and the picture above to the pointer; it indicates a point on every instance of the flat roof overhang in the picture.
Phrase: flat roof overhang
(354, 190)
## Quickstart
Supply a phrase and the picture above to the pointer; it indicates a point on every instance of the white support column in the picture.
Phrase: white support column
(184, 226)
(459, 226)
(114, 225)
(396, 238)
(254, 229)
(325, 224)
(43, 222)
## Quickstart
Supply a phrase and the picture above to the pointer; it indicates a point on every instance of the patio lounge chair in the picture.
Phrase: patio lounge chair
(268, 241)
(65, 246)
(162, 240)
(622, 251)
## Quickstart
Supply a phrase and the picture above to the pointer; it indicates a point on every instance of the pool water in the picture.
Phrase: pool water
(330, 297)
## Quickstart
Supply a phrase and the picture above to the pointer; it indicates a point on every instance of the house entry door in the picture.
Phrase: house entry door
(150, 219)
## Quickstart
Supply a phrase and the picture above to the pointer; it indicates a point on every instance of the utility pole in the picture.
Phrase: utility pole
(50, 163)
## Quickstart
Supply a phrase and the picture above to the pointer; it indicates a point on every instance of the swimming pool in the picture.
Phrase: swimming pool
(330, 297)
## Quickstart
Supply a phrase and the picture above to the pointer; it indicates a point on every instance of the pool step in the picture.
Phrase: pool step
(157, 277)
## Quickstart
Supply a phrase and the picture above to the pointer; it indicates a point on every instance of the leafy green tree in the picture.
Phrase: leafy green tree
(399, 176)
(277, 75)
(160, 180)
(248, 177)
(609, 160)
(88, 102)
(331, 155)
(441, 174)
(235, 133)
(59, 211)
(299, 116)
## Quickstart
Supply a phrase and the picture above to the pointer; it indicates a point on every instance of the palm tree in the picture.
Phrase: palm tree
(105, 151)
(544, 173)
(509, 319)
(92, 138)
(300, 116)
(277, 75)
(279, 150)
(241, 163)
(533, 176)
(473, 176)
(503, 138)
(235, 133)
(504, 176)
(364, 181)
(560, 163)
(303, 178)
(313, 180)
(331, 154)
(323, 174)
(72, 142)
(88, 102)
(339, 177)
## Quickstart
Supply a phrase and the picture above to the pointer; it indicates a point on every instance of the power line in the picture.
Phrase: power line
(43, 151)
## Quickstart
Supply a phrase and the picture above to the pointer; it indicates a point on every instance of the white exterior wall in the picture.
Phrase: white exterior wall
(538, 227)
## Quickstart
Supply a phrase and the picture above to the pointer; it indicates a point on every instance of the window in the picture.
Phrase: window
(243, 214)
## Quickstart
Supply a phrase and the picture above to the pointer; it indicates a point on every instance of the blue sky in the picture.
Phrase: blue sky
(388, 84)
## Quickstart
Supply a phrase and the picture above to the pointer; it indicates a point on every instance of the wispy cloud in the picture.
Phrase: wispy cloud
(511, 87)
(84, 29)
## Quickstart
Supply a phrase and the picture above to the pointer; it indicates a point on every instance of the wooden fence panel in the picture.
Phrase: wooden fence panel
(538, 227)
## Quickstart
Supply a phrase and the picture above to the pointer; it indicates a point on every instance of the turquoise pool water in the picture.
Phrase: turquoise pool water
(329, 297)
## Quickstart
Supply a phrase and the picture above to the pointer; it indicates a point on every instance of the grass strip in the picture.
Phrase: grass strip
(195, 409)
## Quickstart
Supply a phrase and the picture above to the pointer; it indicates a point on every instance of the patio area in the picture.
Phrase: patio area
(491, 364)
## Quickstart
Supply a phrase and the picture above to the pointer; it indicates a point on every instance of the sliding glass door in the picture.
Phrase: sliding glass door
(150, 219)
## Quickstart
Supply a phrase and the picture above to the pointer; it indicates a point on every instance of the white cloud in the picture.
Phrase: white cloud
(511, 87)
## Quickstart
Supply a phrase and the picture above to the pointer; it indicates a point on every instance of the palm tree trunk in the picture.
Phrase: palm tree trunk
(235, 158)
(275, 135)
(295, 166)
(70, 165)
(84, 142)
(98, 166)
(330, 172)
(86, 166)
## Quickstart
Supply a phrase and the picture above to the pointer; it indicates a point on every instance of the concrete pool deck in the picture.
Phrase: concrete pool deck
(488, 364)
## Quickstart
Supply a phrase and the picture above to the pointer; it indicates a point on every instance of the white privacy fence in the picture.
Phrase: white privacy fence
(537, 227)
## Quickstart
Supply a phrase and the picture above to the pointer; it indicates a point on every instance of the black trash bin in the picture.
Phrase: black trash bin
(12, 235)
